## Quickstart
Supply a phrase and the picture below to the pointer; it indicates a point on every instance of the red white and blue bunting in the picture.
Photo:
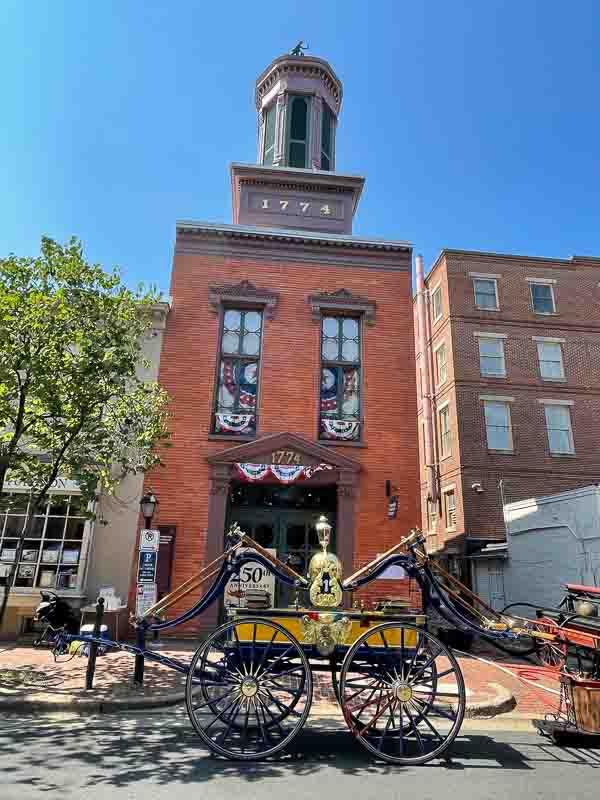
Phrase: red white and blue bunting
(234, 423)
(340, 428)
(282, 474)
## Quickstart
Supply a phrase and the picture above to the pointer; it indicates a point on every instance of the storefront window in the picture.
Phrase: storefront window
(51, 552)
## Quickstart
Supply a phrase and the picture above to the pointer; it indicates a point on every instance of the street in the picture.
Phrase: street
(157, 756)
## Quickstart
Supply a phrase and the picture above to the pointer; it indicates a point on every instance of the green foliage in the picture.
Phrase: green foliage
(72, 401)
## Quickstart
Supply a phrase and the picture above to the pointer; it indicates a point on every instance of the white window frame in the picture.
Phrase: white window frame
(437, 288)
(432, 516)
(547, 403)
(490, 279)
(445, 407)
(542, 282)
(445, 492)
(436, 350)
(505, 401)
(540, 341)
(495, 337)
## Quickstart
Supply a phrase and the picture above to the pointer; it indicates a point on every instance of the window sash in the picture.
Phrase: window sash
(450, 505)
(491, 357)
(445, 432)
(486, 293)
(436, 303)
(441, 364)
(542, 298)
(498, 425)
(550, 360)
(326, 136)
(560, 433)
(269, 135)
(296, 143)
(233, 396)
(345, 402)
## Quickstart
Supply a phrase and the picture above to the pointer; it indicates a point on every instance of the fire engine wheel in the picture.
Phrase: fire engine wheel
(402, 693)
(551, 654)
(249, 689)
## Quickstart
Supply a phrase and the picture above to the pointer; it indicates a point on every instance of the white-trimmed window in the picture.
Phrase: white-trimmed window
(445, 432)
(486, 293)
(558, 425)
(542, 297)
(436, 303)
(491, 356)
(441, 363)
(498, 425)
(450, 508)
(432, 516)
(550, 359)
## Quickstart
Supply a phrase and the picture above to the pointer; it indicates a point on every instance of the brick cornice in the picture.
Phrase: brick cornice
(342, 300)
(245, 294)
(291, 247)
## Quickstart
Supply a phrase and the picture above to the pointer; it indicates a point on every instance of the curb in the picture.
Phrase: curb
(490, 706)
(500, 703)
(84, 705)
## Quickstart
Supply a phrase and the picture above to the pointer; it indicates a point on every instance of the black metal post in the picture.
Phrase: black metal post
(138, 670)
(91, 665)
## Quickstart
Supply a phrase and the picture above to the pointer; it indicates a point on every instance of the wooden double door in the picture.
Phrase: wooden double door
(291, 533)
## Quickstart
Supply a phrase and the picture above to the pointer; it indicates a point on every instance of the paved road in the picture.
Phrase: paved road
(157, 756)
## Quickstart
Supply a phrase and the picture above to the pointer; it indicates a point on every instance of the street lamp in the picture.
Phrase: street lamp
(148, 505)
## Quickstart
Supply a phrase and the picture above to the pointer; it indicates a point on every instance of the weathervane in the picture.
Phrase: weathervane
(298, 50)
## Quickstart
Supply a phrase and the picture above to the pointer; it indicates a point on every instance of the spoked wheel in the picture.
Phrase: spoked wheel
(550, 653)
(249, 689)
(402, 693)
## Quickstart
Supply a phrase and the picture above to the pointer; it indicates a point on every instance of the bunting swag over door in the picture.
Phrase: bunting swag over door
(283, 474)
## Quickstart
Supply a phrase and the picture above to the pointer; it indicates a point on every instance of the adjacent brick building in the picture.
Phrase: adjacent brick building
(288, 354)
(511, 346)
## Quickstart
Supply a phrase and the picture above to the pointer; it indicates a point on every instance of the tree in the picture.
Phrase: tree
(72, 402)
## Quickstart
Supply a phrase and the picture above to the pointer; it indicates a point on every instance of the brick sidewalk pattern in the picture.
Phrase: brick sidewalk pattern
(65, 678)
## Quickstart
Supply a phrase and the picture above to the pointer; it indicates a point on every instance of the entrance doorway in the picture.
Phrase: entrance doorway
(283, 518)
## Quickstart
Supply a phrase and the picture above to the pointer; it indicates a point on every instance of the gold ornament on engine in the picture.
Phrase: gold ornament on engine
(325, 572)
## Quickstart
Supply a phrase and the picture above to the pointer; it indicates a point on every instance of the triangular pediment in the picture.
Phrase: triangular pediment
(285, 449)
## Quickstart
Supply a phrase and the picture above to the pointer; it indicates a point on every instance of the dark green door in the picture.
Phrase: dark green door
(291, 533)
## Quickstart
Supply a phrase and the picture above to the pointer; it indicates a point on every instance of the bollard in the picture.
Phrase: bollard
(138, 670)
(91, 665)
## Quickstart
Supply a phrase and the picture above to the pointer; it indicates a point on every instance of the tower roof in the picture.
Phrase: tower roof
(296, 71)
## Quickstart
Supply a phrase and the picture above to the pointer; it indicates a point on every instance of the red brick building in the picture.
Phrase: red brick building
(288, 354)
(508, 370)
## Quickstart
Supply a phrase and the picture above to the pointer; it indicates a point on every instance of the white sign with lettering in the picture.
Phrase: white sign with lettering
(253, 575)
(149, 540)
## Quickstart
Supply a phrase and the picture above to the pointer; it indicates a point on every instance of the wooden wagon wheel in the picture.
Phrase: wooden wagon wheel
(402, 693)
(248, 698)
(551, 653)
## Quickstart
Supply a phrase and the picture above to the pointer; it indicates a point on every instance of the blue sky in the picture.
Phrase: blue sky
(477, 124)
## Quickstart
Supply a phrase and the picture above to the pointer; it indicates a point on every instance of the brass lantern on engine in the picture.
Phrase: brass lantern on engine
(325, 571)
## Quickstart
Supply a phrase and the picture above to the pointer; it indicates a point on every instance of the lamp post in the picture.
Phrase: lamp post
(148, 505)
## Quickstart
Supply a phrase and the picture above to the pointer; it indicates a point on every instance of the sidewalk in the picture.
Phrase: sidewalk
(30, 679)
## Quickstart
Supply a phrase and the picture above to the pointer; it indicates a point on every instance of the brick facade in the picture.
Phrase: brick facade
(289, 388)
(530, 469)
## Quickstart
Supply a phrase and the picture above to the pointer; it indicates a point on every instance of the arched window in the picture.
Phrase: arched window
(297, 131)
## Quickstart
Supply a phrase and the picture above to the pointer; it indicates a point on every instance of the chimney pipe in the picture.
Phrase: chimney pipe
(427, 383)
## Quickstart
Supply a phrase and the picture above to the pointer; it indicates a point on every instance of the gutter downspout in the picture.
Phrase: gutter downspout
(426, 388)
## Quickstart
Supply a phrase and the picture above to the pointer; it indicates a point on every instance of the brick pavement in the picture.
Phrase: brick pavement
(61, 680)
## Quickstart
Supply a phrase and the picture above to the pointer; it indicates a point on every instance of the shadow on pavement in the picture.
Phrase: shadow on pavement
(124, 752)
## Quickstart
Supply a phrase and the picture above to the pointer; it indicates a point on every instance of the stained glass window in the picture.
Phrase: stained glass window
(340, 378)
(235, 406)
(297, 131)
